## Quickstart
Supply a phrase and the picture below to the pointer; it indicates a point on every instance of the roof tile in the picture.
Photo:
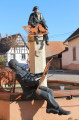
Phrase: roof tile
(55, 47)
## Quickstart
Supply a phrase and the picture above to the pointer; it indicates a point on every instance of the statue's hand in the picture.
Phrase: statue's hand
(38, 82)
(33, 25)
(32, 75)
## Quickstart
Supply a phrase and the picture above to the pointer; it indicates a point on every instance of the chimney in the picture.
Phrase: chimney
(7, 35)
(0, 36)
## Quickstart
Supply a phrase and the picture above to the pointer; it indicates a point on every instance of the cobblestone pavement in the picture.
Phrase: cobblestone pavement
(63, 75)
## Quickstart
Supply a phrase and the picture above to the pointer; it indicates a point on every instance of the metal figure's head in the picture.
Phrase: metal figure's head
(36, 9)
(13, 64)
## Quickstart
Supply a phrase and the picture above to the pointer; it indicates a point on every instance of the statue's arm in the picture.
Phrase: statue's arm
(43, 22)
(27, 81)
(37, 75)
(32, 82)
(30, 21)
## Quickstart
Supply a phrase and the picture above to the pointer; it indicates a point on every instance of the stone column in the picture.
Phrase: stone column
(37, 58)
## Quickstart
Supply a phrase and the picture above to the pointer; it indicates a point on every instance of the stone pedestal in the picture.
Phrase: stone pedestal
(36, 110)
(37, 58)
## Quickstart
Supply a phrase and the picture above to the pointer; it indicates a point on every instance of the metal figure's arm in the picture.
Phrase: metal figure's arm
(37, 75)
(27, 80)
(32, 82)
(43, 22)
(30, 21)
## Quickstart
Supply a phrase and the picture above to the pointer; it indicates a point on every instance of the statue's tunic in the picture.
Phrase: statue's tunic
(37, 19)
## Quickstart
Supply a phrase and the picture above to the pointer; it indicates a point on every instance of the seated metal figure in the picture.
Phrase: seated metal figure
(29, 86)
(37, 18)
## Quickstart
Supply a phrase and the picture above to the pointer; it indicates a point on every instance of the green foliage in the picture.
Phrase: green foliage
(2, 61)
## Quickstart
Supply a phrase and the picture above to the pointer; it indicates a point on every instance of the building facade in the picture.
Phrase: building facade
(55, 50)
(70, 58)
(19, 51)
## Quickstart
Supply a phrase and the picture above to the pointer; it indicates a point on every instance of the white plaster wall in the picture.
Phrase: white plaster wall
(67, 57)
(19, 55)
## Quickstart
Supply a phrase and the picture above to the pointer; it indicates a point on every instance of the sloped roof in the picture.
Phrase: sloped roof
(7, 42)
(74, 35)
(5, 45)
(54, 48)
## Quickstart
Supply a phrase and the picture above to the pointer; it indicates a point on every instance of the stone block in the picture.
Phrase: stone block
(36, 110)
(37, 58)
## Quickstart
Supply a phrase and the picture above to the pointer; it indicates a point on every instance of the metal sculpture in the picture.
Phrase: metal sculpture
(38, 30)
(37, 26)
(7, 77)
(31, 87)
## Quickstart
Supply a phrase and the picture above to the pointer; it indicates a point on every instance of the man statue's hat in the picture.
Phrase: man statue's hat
(36, 7)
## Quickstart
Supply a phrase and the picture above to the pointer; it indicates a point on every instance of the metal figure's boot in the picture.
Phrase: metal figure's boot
(63, 112)
(56, 109)
(51, 109)
(47, 43)
(45, 37)
(59, 110)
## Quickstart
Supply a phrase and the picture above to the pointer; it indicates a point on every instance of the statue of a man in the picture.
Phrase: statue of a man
(29, 86)
(37, 18)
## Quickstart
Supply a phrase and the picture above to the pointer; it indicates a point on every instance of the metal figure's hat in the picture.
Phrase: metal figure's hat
(36, 7)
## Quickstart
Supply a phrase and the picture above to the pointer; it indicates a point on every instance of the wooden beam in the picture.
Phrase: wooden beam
(57, 94)
(65, 93)
(71, 82)
(10, 96)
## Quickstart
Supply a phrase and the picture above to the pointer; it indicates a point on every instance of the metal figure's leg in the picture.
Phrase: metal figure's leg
(63, 112)
(45, 37)
(48, 90)
(52, 106)
(46, 94)
(36, 38)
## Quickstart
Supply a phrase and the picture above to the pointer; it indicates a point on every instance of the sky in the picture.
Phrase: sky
(62, 17)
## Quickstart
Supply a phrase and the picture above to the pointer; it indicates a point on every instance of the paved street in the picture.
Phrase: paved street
(63, 75)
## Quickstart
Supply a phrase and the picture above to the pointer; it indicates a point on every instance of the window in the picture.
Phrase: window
(12, 56)
(23, 56)
(74, 53)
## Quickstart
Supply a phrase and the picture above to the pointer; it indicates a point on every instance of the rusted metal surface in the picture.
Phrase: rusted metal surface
(38, 30)
(10, 96)
(45, 71)
(7, 77)
(66, 82)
